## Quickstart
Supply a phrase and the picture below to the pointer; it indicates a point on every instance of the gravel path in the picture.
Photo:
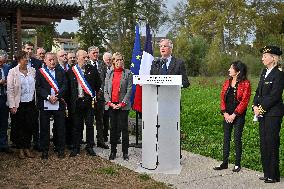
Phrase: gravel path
(197, 172)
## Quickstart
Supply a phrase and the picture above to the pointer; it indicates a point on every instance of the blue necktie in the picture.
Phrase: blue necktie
(164, 67)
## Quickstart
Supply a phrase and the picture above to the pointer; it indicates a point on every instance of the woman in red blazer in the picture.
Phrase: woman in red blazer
(235, 97)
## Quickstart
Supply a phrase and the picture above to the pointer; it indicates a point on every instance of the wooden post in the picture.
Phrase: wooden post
(19, 31)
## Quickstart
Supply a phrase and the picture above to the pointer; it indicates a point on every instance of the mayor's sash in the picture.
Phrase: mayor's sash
(83, 83)
(50, 79)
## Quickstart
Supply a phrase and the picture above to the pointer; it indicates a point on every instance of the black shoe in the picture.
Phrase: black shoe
(118, 141)
(90, 151)
(105, 139)
(112, 156)
(74, 152)
(236, 168)
(61, 154)
(44, 155)
(268, 180)
(36, 148)
(7, 150)
(125, 157)
(103, 145)
(262, 178)
(221, 167)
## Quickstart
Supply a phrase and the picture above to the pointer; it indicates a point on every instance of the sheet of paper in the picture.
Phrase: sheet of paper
(48, 106)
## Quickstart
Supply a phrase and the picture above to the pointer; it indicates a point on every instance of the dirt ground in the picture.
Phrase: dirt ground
(79, 172)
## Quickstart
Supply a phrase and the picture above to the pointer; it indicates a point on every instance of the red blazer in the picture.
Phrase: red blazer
(242, 96)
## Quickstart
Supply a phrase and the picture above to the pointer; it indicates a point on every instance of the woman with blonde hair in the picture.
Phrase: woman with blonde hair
(268, 108)
(117, 92)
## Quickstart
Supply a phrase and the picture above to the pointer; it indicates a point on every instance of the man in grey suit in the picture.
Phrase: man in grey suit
(168, 64)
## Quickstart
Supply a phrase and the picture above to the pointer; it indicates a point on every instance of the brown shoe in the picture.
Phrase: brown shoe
(21, 154)
(28, 153)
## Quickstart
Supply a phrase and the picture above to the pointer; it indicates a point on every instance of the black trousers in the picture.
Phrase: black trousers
(238, 125)
(35, 130)
(269, 130)
(83, 115)
(59, 124)
(24, 121)
(99, 115)
(106, 120)
(119, 120)
(4, 114)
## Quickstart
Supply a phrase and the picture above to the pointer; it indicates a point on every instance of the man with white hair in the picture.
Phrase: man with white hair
(93, 52)
(106, 119)
(4, 110)
(168, 64)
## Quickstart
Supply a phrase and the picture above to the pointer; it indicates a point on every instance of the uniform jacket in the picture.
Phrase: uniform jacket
(269, 92)
(14, 86)
(176, 67)
(124, 90)
(43, 89)
(92, 77)
(242, 96)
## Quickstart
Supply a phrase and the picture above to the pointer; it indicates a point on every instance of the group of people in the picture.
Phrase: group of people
(78, 89)
(72, 89)
(267, 106)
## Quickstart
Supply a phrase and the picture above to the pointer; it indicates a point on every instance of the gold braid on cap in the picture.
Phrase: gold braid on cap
(261, 110)
(265, 50)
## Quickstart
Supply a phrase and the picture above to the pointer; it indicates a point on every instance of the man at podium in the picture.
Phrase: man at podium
(168, 64)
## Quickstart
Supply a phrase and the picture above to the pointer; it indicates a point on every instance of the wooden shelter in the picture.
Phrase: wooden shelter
(16, 15)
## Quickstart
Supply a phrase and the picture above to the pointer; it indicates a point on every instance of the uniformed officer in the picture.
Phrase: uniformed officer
(269, 109)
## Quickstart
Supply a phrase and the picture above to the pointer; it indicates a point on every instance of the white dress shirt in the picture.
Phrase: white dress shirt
(52, 72)
(268, 72)
(27, 87)
(168, 61)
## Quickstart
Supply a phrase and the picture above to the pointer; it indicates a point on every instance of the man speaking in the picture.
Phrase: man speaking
(168, 64)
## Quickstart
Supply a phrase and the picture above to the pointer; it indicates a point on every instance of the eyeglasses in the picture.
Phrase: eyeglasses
(164, 46)
(72, 57)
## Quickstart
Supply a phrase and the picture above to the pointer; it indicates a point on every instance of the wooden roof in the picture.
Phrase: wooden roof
(33, 14)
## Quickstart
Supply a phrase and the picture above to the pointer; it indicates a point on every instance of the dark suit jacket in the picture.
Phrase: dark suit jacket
(92, 77)
(176, 67)
(6, 69)
(43, 89)
(35, 63)
(269, 92)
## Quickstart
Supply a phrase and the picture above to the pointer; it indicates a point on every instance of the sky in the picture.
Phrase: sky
(73, 26)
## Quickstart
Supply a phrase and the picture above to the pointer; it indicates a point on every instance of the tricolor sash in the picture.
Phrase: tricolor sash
(83, 82)
(50, 79)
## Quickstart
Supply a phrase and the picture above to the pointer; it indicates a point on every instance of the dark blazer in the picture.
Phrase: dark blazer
(176, 67)
(6, 69)
(35, 63)
(43, 89)
(269, 92)
(92, 77)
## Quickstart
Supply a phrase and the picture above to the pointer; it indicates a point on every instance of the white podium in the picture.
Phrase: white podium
(160, 123)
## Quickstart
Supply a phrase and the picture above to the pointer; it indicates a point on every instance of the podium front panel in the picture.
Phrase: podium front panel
(169, 132)
(149, 129)
(161, 128)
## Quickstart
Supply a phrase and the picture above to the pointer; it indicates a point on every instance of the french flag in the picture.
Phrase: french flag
(145, 67)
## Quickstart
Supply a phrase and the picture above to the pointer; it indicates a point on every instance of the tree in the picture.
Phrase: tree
(110, 24)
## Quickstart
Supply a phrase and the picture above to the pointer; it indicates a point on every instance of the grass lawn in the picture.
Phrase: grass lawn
(201, 124)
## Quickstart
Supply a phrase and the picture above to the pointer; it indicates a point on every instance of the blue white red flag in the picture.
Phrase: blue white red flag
(145, 67)
(136, 59)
